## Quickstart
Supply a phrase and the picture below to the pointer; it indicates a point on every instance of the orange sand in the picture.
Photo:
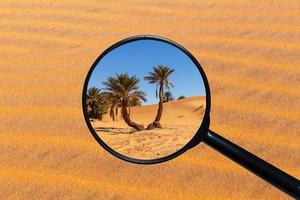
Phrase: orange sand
(181, 120)
(250, 51)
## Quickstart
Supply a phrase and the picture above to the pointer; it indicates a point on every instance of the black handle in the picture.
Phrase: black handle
(263, 169)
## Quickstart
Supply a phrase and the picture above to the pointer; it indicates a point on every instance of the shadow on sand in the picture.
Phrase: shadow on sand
(114, 130)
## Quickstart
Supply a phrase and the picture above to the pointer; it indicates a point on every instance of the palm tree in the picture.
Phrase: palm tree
(114, 100)
(181, 97)
(101, 108)
(112, 109)
(117, 110)
(91, 101)
(168, 96)
(126, 88)
(96, 104)
(159, 76)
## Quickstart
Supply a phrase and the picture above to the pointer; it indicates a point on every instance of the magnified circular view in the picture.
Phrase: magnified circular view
(145, 99)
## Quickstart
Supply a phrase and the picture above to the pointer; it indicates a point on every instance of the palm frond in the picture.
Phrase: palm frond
(138, 95)
(171, 84)
(160, 75)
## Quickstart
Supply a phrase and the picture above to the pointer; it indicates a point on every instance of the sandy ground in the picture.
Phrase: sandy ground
(181, 120)
(248, 49)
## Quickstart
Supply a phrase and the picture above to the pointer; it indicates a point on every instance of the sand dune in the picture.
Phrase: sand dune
(249, 51)
(181, 119)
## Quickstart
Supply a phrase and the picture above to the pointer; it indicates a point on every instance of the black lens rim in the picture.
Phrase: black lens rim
(200, 132)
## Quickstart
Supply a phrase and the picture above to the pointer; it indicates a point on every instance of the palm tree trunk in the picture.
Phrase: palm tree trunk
(111, 112)
(126, 117)
(156, 123)
(116, 111)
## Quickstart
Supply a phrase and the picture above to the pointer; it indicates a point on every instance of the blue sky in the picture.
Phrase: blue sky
(139, 57)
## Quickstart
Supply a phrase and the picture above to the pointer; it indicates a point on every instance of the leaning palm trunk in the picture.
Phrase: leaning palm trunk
(116, 112)
(156, 123)
(126, 117)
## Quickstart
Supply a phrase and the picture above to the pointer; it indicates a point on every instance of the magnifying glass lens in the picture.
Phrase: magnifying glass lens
(145, 99)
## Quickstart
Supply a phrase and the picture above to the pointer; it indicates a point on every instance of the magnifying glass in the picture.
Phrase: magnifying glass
(146, 100)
